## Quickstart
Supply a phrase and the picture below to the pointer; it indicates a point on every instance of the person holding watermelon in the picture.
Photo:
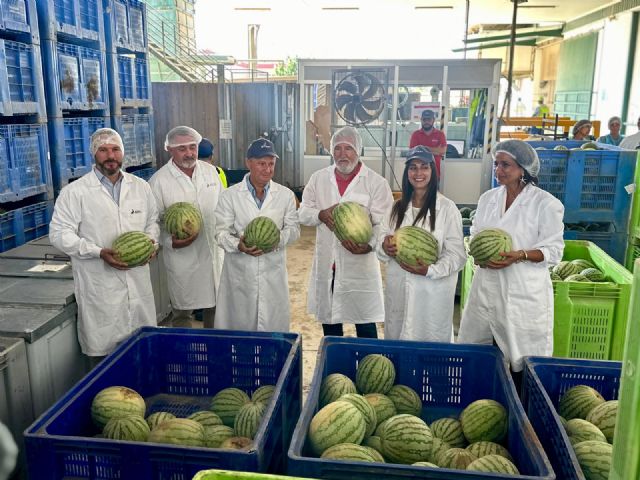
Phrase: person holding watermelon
(419, 298)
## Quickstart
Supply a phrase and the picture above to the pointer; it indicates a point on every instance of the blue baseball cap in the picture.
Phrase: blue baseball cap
(428, 113)
(261, 148)
(205, 148)
(421, 153)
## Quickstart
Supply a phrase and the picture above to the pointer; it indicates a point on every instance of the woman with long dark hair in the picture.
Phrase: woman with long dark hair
(419, 300)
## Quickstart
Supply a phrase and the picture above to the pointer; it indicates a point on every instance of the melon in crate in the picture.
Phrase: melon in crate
(484, 419)
(116, 401)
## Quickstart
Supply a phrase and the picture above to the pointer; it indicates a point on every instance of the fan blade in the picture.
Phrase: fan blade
(362, 114)
(342, 100)
(373, 90)
(349, 113)
(372, 104)
(347, 85)
(363, 81)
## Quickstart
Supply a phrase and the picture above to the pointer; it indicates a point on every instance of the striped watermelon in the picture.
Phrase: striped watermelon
(227, 402)
(375, 454)
(484, 448)
(424, 464)
(580, 430)
(367, 411)
(582, 263)
(263, 394)
(178, 431)
(449, 430)
(350, 451)
(216, 434)
(457, 458)
(375, 374)
(205, 418)
(133, 248)
(405, 399)
(157, 418)
(383, 406)
(237, 443)
(493, 464)
(381, 425)
(555, 277)
(413, 243)
(438, 447)
(566, 268)
(338, 422)
(334, 386)
(604, 416)
(182, 220)
(263, 233)
(132, 428)
(406, 439)
(594, 458)
(576, 277)
(487, 245)
(116, 402)
(351, 222)
(578, 401)
(248, 419)
(594, 275)
(373, 442)
(484, 420)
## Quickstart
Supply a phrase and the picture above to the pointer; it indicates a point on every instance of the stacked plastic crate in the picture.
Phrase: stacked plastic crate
(633, 250)
(130, 82)
(74, 60)
(25, 177)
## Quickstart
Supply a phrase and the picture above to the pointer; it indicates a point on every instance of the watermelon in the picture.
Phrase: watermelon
(205, 418)
(457, 458)
(237, 443)
(375, 374)
(178, 431)
(566, 268)
(375, 454)
(406, 439)
(116, 402)
(350, 451)
(227, 402)
(593, 275)
(580, 430)
(413, 243)
(589, 146)
(132, 428)
(487, 245)
(582, 263)
(383, 406)
(484, 448)
(467, 222)
(576, 277)
(365, 408)
(373, 442)
(334, 386)
(449, 430)
(594, 458)
(352, 222)
(484, 420)
(216, 434)
(424, 464)
(555, 277)
(262, 233)
(604, 417)
(578, 401)
(438, 447)
(560, 147)
(248, 419)
(263, 394)
(338, 422)
(405, 399)
(182, 220)
(382, 425)
(157, 418)
(133, 248)
(493, 464)
(465, 212)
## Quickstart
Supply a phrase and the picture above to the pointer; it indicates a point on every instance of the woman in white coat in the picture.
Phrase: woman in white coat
(418, 301)
(511, 300)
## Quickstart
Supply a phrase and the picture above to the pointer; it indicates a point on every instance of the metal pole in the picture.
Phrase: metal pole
(512, 47)
(466, 29)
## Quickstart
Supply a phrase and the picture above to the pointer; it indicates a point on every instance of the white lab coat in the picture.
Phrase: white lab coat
(254, 291)
(112, 303)
(357, 292)
(421, 307)
(514, 305)
(193, 272)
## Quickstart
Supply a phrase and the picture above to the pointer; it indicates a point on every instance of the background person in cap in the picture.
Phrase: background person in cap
(345, 283)
(511, 300)
(89, 215)
(254, 289)
(581, 130)
(418, 301)
(430, 137)
(192, 264)
(614, 137)
(205, 153)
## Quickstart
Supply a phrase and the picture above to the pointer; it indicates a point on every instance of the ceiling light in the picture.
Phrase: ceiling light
(433, 7)
(253, 9)
(340, 8)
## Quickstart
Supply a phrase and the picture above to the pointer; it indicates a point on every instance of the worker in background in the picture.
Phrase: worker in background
(205, 153)
(541, 111)
(89, 214)
(418, 300)
(582, 131)
(254, 289)
(511, 300)
(345, 284)
(632, 142)
(430, 137)
(192, 264)
(614, 137)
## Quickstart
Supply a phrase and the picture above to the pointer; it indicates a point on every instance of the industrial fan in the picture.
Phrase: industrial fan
(359, 97)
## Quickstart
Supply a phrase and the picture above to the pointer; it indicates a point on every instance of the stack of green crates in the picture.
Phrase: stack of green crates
(633, 249)
(626, 446)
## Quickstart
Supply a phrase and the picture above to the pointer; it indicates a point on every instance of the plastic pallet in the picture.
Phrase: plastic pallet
(21, 87)
(545, 381)
(77, 20)
(19, 20)
(176, 370)
(448, 377)
(127, 23)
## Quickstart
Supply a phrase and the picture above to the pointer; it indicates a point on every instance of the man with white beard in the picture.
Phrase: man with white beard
(345, 284)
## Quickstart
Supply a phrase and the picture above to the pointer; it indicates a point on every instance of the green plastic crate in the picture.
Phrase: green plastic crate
(634, 220)
(229, 475)
(465, 281)
(633, 252)
(626, 445)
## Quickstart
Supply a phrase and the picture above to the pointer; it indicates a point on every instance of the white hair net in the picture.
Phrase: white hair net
(523, 153)
(181, 131)
(105, 136)
(348, 135)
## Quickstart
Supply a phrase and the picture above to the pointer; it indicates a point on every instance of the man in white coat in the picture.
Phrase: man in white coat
(345, 284)
(254, 290)
(193, 264)
(90, 213)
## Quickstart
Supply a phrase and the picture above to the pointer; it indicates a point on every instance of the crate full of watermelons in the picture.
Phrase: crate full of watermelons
(573, 407)
(397, 409)
(168, 403)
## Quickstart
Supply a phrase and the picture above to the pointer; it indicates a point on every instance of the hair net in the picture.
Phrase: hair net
(181, 131)
(522, 153)
(348, 135)
(579, 124)
(614, 119)
(104, 136)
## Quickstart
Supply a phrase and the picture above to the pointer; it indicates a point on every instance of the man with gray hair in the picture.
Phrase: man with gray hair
(90, 213)
(345, 284)
(193, 264)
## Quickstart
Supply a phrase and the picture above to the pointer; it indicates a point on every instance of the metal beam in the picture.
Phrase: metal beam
(521, 43)
(556, 32)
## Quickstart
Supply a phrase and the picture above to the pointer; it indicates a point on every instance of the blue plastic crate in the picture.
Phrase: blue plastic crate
(176, 370)
(125, 126)
(145, 173)
(448, 377)
(91, 20)
(614, 243)
(142, 79)
(137, 26)
(36, 220)
(126, 26)
(545, 380)
(21, 87)
(78, 20)
(11, 233)
(19, 20)
(144, 138)
(126, 77)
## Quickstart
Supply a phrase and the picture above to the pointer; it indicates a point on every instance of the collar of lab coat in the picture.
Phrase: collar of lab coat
(524, 197)
(273, 186)
(176, 172)
(95, 181)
